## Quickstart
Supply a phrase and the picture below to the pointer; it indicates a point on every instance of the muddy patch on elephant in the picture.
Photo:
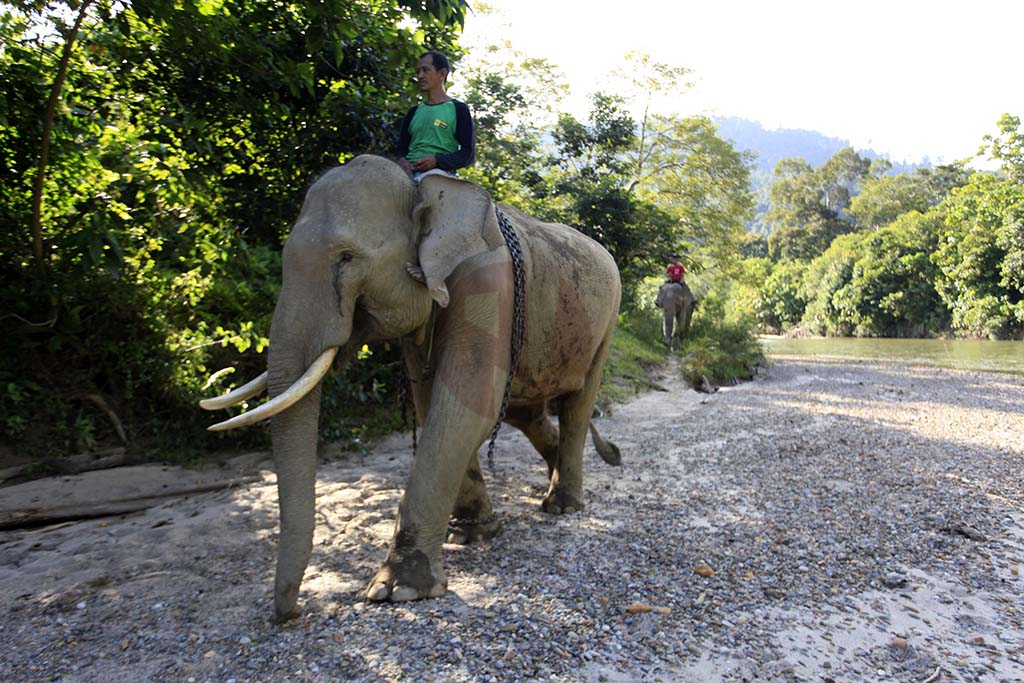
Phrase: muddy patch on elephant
(828, 521)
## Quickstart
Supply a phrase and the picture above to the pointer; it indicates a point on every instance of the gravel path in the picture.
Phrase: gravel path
(830, 521)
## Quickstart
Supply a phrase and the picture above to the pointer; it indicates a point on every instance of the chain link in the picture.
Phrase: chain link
(518, 317)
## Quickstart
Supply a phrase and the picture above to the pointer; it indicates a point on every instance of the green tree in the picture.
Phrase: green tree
(891, 292)
(754, 245)
(980, 257)
(781, 301)
(672, 181)
(682, 166)
(825, 276)
(701, 180)
(1007, 146)
(808, 204)
(589, 187)
(182, 140)
(884, 198)
(513, 99)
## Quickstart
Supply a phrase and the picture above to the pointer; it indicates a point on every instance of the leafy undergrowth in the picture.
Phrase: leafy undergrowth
(719, 350)
(633, 354)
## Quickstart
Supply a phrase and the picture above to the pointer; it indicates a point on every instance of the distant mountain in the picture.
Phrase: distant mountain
(787, 143)
(771, 146)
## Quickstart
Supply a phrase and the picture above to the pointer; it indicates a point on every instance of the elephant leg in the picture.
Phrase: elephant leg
(473, 519)
(565, 494)
(532, 420)
(471, 351)
(414, 568)
(687, 318)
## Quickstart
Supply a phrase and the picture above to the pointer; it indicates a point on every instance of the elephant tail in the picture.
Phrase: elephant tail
(608, 451)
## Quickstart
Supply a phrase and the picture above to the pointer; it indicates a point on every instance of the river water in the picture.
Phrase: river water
(963, 354)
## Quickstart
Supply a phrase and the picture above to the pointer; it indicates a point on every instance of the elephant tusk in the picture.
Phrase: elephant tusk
(287, 398)
(253, 388)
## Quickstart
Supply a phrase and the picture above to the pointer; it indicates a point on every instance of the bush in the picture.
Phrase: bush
(633, 353)
(719, 348)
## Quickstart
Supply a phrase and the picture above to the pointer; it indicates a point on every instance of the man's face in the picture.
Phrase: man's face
(427, 76)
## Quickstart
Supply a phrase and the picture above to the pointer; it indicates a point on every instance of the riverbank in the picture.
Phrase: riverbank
(982, 355)
(841, 521)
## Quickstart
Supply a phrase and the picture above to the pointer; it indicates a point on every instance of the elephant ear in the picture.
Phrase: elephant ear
(452, 218)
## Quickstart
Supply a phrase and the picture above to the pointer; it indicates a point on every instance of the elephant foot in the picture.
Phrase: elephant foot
(411, 576)
(466, 531)
(282, 616)
(561, 502)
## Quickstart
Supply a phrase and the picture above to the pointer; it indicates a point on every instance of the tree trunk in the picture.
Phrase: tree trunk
(44, 150)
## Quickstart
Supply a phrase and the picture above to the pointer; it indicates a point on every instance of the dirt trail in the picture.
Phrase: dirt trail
(826, 522)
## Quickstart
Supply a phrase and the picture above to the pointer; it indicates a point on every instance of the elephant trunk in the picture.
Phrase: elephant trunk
(294, 437)
(294, 442)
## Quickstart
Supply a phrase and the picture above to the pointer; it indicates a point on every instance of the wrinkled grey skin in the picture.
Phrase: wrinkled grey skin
(367, 259)
(677, 302)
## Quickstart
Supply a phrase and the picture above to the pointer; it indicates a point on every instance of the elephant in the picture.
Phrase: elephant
(676, 302)
(374, 256)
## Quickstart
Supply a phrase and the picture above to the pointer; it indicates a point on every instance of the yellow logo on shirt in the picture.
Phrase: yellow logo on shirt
(440, 124)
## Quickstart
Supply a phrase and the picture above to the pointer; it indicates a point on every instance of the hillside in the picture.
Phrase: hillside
(771, 146)
(785, 143)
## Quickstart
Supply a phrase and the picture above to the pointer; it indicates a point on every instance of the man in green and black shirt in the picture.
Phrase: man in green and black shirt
(437, 134)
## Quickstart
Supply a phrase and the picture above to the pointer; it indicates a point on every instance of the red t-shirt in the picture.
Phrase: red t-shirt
(675, 272)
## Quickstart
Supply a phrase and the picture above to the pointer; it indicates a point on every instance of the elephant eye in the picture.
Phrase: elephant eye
(345, 257)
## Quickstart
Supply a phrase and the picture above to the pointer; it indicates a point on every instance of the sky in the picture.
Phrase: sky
(906, 78)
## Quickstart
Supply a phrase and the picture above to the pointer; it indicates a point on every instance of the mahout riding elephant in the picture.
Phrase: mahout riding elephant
(373, 256)
(676, 302)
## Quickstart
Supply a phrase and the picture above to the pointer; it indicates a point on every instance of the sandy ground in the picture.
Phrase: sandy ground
(826, 522)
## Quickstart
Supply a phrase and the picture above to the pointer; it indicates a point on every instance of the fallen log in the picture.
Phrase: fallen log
(33, 517)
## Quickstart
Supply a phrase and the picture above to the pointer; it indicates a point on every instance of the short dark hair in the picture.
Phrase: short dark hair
(438, 59)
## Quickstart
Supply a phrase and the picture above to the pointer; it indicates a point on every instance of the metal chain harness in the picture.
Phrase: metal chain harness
(518, 317)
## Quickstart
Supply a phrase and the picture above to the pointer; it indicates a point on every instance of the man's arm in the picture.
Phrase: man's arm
(465, 136)
(404, 139)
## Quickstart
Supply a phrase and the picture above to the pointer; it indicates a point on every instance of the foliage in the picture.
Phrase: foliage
(887, 197)
(645, 191)
(588, 187)
(368, 400)
(717, 347)
(808, 204)
(824, 277)
(754, 245)
(780, 299)
(183, 139)
(1007, 147)
(980, 258)
(891, 292)
(634, 351)
(691, 174)
(512, 97)
(742, 286)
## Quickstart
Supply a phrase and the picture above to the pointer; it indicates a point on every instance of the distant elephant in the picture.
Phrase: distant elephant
(676, 302)
(373, 256)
